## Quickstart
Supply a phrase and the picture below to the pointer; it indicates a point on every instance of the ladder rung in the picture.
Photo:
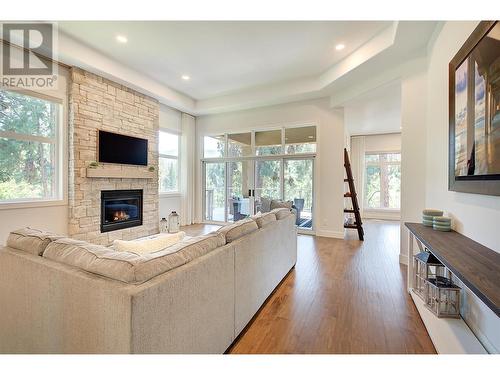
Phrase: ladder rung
(349, 195)
(346, 180)
(351, 226)
(349, 211)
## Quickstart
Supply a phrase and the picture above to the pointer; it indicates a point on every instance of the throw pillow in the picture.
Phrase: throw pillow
(149, 244)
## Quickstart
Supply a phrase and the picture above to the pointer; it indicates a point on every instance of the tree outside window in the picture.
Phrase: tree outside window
(168, 170)
(28, 147)
(382, 180)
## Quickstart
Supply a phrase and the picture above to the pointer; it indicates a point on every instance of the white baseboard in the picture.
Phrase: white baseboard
(330, 233)
(403, 259)
(382, 215)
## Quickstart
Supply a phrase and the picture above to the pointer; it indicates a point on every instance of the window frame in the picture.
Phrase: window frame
(253, 130)
(59, 197)
(379, 164)
(171, 157)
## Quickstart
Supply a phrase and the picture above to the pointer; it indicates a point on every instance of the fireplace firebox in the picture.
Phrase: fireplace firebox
(120, 209)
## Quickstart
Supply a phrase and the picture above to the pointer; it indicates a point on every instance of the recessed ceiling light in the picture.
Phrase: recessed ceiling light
(310, 136)
(185, 77)
(121, 39)
(340, 47)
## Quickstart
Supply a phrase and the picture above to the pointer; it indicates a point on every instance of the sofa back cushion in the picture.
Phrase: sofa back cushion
(281, 213)
(281, 204)
(129, 267)
(263, 219)
(32, 241)
(234, 231)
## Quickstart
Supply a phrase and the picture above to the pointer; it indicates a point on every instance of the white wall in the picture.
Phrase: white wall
(329, 170)
(375, 112)
(52, 216)
(476, 216)
(170, 120)
(413, 148)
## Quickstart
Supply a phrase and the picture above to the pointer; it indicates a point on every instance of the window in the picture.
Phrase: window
(300, 140)
(30, 163)
(214, 147)
(294, 140)
(239, 144)
(382, 180)
(268, 142)
(168, 169)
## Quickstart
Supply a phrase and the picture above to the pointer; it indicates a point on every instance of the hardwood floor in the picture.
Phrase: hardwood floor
(343, 296)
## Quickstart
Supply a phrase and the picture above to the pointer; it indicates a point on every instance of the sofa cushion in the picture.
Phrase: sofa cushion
(263, 219)
(149, 244)
(281, 213)
(234, 231)
(281, 204)
(129, 267)
(32, 241)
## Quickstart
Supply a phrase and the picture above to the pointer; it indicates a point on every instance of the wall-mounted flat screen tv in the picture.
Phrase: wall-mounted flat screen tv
(122, 149)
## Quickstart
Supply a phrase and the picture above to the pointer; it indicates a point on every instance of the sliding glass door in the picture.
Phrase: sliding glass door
(215, 191)
(255, 171)
(298, 188)
(235, 190)
(240, 184)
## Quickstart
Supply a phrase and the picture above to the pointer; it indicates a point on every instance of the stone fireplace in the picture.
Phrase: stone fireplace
(120, 209)
(96, 103)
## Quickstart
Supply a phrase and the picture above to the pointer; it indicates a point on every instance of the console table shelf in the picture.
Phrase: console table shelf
(477, 266)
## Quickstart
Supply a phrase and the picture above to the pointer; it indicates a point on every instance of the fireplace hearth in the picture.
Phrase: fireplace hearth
(120, 209)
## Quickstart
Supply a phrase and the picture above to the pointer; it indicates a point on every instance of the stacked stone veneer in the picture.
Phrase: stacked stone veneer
(98, 103)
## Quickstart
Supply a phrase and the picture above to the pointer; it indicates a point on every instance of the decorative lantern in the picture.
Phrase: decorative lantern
(173, 222)
(163, 225)
(425, 266)
(443, 297)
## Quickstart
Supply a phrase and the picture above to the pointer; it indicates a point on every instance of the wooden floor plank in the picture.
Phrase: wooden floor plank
(344, 296)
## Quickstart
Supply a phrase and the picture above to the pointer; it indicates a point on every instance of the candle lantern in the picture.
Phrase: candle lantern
(426, 266)
(443, 297)
(163, 225)
(174, 222)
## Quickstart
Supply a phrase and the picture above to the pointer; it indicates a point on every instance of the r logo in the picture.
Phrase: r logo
(34, 38)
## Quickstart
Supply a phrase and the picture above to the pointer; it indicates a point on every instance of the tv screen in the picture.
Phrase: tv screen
(122, 149)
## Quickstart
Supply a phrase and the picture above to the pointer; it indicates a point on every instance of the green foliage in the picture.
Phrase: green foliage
(168, 175)
(26, 167)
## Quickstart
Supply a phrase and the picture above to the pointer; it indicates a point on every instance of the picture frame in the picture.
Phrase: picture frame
(474, 113)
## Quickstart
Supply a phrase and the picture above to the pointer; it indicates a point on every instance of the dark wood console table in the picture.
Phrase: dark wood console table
(475, 265)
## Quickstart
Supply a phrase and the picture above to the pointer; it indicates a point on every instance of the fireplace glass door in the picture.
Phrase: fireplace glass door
(120, 209)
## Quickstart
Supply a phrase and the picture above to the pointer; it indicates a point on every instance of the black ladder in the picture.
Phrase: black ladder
(358, 224)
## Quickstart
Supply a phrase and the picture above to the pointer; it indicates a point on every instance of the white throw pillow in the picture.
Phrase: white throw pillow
(149, 244)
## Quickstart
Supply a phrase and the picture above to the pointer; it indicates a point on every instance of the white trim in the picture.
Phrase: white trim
(173, 194)
(382, 214)
(28, 137)
(330, 233)
(9, 205)
(403, 259)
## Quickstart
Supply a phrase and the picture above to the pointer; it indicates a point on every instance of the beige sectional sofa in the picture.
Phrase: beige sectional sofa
(59, 295)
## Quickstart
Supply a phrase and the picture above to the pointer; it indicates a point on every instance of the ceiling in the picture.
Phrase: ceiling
(224, 56)
(235, 65)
